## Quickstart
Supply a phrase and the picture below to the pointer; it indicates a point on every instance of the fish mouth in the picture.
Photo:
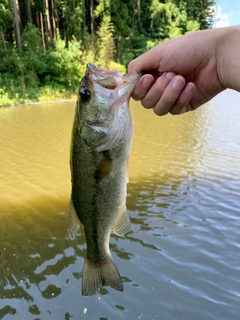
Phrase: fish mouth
(108, 79)
(111, 83)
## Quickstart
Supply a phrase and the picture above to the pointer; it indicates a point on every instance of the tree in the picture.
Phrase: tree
(92, 22)
(28, 10)
(47, 42)
(105, 43)
(204, 10)
(47, 24)
(6, 22)
(17, 24)
(32, 54)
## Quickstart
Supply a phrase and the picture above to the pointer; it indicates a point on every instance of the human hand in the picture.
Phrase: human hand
(181, 74)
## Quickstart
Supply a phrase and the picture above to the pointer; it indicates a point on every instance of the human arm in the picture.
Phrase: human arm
(201, 65)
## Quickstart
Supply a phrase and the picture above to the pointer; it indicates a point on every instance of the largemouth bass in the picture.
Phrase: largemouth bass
(100, 149)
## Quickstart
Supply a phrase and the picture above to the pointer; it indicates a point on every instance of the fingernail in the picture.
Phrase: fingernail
(147, 81)
(189, 88)
(170, 75)
(178, 83)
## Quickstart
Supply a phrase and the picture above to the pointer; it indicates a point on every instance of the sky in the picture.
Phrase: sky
(227, 13)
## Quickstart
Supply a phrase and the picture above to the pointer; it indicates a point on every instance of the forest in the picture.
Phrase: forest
(45, 44)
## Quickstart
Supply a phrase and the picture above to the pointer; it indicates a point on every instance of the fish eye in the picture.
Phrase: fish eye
(84, 94)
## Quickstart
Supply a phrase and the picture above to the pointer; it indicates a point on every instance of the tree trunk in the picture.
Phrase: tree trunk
(42, 32)
(16, 24)
(29, 13)
(139, 8)
(19, 17)
(84, 16)
(53, 19)
(66, 31)
(3, 42)
(92, 23)
(48, 24)
(45, 26)
(23, 81)
(38, 20)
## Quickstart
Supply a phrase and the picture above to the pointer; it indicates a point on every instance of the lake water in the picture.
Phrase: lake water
(181, 260)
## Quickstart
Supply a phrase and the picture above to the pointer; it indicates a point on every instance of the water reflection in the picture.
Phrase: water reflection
(38, 261)
(183, 200)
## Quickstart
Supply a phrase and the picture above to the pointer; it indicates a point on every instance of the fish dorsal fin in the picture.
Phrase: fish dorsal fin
(73, 221)
(124, 225)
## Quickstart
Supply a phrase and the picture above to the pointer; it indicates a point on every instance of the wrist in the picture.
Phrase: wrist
(228, 57)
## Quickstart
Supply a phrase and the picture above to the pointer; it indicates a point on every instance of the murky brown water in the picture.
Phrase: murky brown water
(182, 259)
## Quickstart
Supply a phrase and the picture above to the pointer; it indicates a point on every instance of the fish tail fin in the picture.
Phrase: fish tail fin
(97, 275)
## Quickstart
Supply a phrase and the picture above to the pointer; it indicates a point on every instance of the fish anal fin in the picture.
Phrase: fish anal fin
(97, 275)
(124, 224)
(73, 221)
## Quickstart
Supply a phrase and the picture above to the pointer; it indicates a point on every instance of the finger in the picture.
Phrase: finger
(148, 61)
(154, 94)
(182, 103)
(170, 95)
(142, 87)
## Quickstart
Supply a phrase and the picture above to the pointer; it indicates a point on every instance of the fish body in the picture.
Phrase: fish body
(100, 149)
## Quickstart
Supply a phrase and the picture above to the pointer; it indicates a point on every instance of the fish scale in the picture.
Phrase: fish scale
(100, 150)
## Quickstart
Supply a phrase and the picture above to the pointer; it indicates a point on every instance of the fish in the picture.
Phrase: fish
(99, 161)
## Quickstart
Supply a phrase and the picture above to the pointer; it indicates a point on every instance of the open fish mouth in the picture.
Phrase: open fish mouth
(110, 83)
(108, 79)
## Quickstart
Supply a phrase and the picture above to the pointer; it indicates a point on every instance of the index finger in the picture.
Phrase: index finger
(148, 62)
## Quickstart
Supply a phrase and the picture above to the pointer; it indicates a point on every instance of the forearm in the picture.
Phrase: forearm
(228, 57)
(205, 62)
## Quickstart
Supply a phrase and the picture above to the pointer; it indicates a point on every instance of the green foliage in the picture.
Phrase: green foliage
(31, 39)
(5, 100)
(157, 23)
(102, 8)
(52, 65)
(168, 20)
(134, 45)
(121, 18)
(204, 13)
(72, 14)
(64, 64)
(192, 26)
(6, 16)
(32, 60)
(105, 43)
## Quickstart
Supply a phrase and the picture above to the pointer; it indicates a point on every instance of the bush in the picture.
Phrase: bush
(65, 67)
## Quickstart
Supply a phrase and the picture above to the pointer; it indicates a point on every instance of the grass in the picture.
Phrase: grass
(33, 95)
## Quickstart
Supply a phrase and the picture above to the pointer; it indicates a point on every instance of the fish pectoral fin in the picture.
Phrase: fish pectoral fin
(73, 221)
(97, 275)
(124, 225)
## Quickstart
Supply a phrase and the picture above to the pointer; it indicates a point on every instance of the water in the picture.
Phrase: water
(181, 260)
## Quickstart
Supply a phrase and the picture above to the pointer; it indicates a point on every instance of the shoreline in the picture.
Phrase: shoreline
(39, 102)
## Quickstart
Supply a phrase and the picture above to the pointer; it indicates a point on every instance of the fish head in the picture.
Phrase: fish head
(101, 91)
(103, 101)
